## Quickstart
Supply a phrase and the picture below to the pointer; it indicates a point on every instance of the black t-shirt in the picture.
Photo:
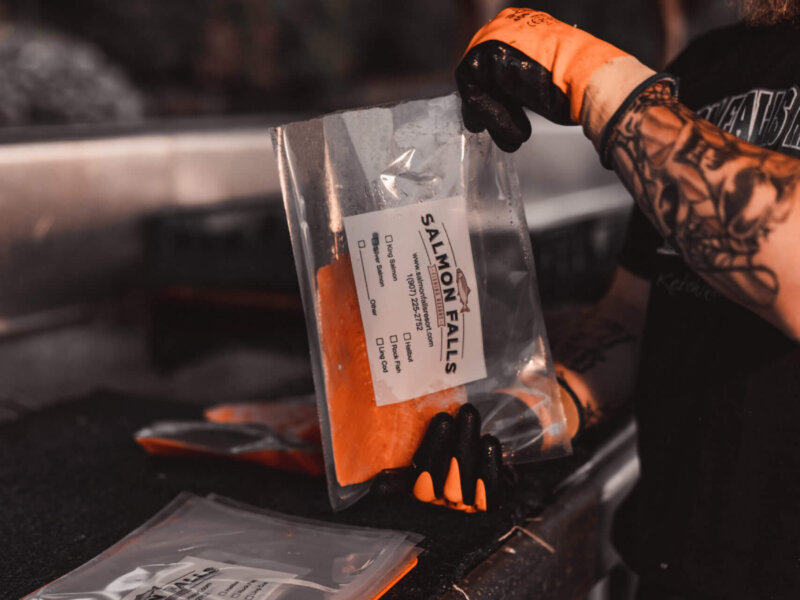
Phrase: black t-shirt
(717, 510)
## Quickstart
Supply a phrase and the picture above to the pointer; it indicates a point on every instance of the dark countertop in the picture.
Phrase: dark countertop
(73, 482)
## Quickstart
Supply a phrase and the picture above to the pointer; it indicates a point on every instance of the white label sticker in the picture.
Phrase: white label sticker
(201, 579)
(416, 286)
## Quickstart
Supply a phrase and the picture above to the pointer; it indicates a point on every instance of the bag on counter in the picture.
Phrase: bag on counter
(279, 434)
(418, 283)
(217, 549)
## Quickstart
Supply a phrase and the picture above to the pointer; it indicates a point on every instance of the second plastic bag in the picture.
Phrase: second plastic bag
(417, 278)
(218, 549)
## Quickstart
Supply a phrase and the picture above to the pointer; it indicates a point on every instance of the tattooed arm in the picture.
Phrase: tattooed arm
(596, 349)
(727, 206)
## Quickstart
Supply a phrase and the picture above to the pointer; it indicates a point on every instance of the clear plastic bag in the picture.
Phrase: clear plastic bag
(217, 549)
(254, 442)
(282, 434)
(418, 283)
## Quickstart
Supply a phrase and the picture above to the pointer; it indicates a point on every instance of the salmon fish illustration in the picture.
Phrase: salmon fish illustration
(463, 290)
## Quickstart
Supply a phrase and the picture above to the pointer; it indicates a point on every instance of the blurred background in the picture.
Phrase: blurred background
(110, 61)
(144, 253)
(143, 245)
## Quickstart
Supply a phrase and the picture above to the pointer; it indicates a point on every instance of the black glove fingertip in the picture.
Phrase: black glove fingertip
(521, 122)
(501, 141)
(472, 122)
(511, 127)
(435, 451)
(490, 464)
(467, 447)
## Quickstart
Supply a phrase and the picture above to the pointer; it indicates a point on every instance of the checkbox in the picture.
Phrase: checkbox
(362, 244)
(379, 341)
(393, 339)
(389, 239)
(406, 336)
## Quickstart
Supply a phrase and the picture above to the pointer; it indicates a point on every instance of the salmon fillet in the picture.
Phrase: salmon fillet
(366, 438)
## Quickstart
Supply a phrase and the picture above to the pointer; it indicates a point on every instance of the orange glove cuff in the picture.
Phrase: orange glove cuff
(573, 409)
(570, 54)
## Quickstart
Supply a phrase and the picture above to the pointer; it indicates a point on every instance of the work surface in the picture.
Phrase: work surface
(73, 482)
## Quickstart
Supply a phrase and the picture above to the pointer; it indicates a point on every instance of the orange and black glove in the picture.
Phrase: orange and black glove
(527, 59)
(454, 466)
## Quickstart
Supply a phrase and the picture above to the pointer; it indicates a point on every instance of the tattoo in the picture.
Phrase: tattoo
(714, 197)
(588, 340)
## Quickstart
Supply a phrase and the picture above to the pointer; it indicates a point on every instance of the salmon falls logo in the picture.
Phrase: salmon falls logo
(450, 290)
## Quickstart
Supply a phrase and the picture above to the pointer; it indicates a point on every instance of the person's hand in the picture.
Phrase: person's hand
(527, 59)
(455, 467)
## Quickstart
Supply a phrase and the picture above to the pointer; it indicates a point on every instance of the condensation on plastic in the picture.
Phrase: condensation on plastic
(312, 560)
(378, 158)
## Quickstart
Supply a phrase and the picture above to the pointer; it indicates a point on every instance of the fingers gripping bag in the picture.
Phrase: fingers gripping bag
(418, 284)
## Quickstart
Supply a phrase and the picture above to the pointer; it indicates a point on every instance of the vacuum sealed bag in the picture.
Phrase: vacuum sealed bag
(417, 278)
(279, 434)
(252, 442)
(217, 549)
